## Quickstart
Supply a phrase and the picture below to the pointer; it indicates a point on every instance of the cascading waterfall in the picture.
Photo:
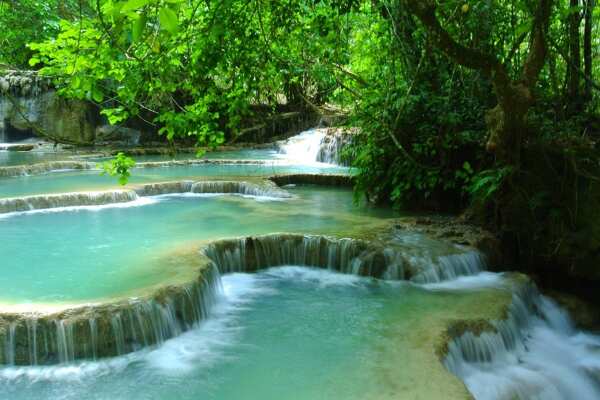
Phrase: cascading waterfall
(535, 353)
(331, 147)
(317, 145)
(45, 167)
(44, 202)
(264, 189)
(450, 267)
(85, 199)
(92, 332)
(161, 188)
(346, 255)
(267, 189)
(112, 330)
(253, 253)
(303, 148)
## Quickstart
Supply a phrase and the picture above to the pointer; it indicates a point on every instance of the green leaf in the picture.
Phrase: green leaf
(138, 27)
(33, 61)
(168, 20)
(133, 5)
(97, 95)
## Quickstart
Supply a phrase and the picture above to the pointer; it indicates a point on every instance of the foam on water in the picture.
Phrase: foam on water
(321, 277)
(478, 281)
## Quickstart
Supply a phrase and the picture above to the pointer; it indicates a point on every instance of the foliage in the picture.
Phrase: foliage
(25, 21)
(195, 68)
(119, 166)
(487, 183)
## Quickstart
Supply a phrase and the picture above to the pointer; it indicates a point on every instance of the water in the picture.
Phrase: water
(94, 252)
(283, 332)
(303, 148)
(92, 180)
(536, 354)
(287, 332)
(242, 154)
(28, 157)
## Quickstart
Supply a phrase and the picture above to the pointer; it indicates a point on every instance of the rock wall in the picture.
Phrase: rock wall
(29, 106)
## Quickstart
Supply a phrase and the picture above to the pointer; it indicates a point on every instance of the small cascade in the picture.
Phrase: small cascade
(42, 168)
(534, 353)
(137, 195)
(51, 201)
(407, 264)
(350, 256)
(267, 189)
(250, 254)
(106, 331)
(317, 145)
(111, 329)
(305, 147)
(449, 267)
(161, 188)
(332, 144)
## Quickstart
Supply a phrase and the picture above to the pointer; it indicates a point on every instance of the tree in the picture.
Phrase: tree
(506, 121)
(574, 65)
(587, 48)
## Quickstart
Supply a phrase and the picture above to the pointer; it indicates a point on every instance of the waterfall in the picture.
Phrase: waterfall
(317, 145)
(450, 267)
(92, 332)
(267, 189)
(264, 189)
(250, 254)
(137, 196)
(345, 255)
(161, 188)
(535, 353)
(303, 148)
(45, 167)
(333, 143)
(124, 326)
(404, 264)
(51, 201)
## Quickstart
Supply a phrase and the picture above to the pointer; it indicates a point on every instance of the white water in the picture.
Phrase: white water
(470, 282)
(303, 148)
(535, 354)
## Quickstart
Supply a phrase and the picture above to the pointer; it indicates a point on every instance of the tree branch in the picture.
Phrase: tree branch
(474, 59)
(536, 58)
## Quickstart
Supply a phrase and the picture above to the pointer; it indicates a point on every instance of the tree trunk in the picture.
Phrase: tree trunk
(574, 65)
(587, 49)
